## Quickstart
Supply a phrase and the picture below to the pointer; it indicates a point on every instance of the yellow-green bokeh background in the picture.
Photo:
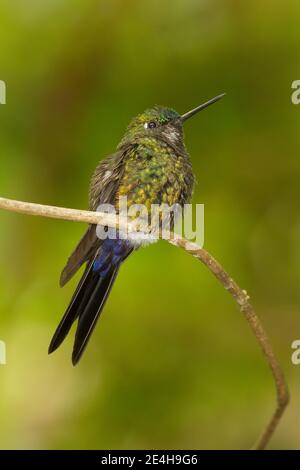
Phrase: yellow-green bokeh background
(172, 363)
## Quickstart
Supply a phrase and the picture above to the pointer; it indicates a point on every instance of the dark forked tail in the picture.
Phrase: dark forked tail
(90, 296)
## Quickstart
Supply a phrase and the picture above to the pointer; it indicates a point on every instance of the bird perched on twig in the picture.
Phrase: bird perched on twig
(150, 166)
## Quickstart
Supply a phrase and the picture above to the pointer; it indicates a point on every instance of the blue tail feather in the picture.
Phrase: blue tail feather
(113, 252)
(91, 295)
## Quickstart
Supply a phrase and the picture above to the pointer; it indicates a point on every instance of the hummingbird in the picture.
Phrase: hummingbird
(151, 165)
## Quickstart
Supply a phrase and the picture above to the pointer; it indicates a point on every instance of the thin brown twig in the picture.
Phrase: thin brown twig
(242, 299)
(240, 296)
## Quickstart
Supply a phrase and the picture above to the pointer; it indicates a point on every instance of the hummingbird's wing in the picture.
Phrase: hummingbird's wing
(82, 253)
(103, 189)
(72, 312)
(92, 291)
(86, 246)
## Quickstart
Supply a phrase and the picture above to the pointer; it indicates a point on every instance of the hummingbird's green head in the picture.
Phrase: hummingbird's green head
(157, 122)
(161, 122)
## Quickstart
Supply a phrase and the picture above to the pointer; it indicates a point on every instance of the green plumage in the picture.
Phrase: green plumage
(155, 173)
(153, 166)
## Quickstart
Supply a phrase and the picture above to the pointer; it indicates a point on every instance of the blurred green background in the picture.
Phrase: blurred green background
(172, 363)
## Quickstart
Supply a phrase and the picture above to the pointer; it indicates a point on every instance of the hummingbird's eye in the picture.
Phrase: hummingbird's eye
(150, 125)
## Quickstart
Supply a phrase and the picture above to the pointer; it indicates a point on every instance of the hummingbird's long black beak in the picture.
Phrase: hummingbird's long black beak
(191, 113)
